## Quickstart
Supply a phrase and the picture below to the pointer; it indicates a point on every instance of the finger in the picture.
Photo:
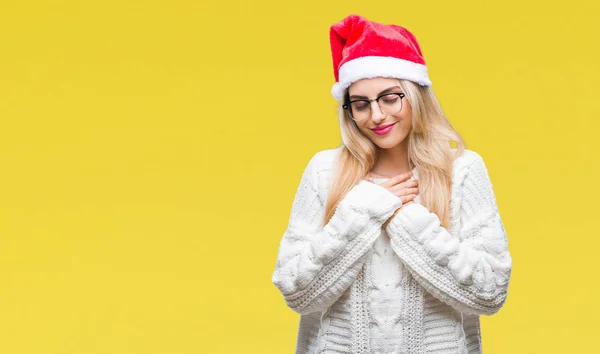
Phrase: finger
(398, 179)
(401, 177)
(397, 189)
(401, 190)
(407, 198)
(408, 184)
(409, 191)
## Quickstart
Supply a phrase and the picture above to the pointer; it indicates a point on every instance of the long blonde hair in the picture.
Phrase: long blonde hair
(429, 151)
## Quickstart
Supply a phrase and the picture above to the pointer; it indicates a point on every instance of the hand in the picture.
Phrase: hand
(396, 212)
(403, 188)
(400, 186)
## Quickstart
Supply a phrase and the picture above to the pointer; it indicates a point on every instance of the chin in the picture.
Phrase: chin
(387, 145)
(388, 142)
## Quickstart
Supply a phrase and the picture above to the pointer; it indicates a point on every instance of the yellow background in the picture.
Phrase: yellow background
(150, 151)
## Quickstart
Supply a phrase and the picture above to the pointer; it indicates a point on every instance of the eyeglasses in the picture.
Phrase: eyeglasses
(389, 103)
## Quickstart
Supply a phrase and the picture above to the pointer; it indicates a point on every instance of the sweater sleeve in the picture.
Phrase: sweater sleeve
(469, 271)
(316, 264)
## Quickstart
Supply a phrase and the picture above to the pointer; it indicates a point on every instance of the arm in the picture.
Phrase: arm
(469, 271)
(316, 264)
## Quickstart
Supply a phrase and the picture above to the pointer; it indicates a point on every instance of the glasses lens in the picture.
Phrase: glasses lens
(390, 103)
(360, 110)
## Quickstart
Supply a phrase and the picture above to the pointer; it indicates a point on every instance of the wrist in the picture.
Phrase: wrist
(391, 217)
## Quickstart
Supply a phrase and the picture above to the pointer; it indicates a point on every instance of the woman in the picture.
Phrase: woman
(374, 259)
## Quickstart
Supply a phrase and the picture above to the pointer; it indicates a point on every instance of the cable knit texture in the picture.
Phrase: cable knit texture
(411, 287)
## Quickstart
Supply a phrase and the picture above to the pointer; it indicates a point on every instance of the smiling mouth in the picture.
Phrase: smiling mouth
(382, 127)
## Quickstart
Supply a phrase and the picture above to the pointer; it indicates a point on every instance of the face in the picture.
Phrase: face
(401, 121)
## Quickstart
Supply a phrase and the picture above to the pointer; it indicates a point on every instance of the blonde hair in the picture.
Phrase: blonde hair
(429, 151)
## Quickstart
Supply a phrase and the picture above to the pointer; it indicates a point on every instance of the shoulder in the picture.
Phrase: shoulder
(324, 160)
(466, 159)
(467, 165)
(319, 170)
(327, 157)
(470, 173)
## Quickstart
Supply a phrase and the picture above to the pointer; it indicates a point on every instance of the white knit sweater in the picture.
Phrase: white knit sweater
(413, 287)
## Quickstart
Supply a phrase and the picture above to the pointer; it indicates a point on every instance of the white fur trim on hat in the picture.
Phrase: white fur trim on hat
(373, 66)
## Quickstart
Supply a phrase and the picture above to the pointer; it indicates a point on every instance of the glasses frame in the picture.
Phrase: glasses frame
(347, 107)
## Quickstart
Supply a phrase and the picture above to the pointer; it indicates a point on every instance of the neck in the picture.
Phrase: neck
(392, 161)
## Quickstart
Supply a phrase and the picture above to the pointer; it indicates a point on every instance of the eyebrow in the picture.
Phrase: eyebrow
(379, 94)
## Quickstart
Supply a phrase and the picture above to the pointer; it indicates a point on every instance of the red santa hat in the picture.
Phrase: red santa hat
(364, 49)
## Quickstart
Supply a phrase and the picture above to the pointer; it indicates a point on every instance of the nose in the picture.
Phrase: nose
(377, 114)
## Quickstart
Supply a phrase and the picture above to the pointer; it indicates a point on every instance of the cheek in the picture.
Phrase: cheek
(404, 126)
(363, 129)
(406, 118)
(408, 122)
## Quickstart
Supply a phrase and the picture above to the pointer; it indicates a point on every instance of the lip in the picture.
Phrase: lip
(383, 129)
